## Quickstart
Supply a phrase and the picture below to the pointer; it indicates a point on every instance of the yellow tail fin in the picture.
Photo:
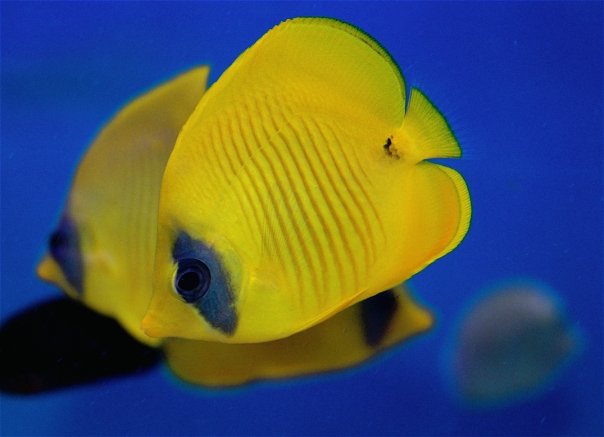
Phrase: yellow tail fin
(424, 133)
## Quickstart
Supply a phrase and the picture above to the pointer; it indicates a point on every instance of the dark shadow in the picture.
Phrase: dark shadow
(61, 343)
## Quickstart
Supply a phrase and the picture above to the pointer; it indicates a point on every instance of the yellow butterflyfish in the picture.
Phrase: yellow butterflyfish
(301, 185)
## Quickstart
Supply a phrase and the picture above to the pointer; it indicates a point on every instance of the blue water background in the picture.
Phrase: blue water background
(521, 84)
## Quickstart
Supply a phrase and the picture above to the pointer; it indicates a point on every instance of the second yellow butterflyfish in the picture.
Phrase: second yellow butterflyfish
(101, 251)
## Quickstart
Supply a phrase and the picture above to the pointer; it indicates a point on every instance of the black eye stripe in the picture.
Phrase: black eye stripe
(201, 281)
(64, 247)
(57, 239)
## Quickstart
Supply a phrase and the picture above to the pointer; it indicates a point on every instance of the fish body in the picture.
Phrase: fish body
(513, 341)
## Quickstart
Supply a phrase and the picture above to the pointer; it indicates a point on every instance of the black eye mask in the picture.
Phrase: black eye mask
(201, 281)
(64, 247)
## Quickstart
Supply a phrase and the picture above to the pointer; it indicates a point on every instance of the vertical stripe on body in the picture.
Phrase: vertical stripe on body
(302, 191)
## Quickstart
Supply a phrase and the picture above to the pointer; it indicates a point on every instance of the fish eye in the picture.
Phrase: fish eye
(192, 279)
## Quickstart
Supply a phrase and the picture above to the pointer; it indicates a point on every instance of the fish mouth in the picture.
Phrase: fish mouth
(152, 327)
(156, 326)
(170, 317)
(48, 270)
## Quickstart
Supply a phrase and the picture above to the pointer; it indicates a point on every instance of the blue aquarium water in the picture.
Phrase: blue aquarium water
(521, 85)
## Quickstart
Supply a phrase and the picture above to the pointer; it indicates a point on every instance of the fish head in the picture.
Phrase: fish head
(208, 287)
(62, 264)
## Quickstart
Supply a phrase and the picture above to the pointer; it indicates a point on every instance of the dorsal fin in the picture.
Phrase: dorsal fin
(325, 49)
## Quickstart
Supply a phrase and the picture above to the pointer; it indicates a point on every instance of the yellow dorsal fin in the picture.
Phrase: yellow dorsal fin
(324, 51)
